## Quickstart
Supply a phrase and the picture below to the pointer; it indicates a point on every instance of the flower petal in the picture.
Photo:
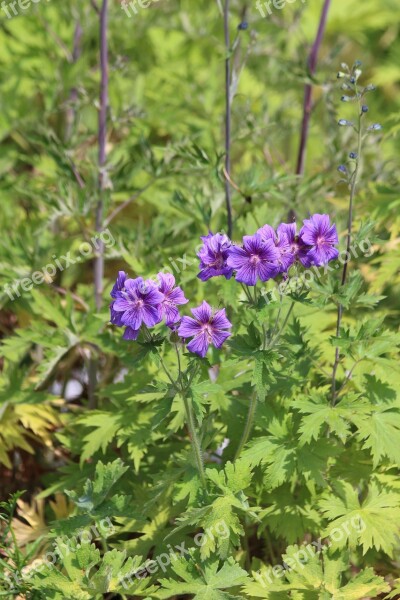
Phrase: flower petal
(189, 327)
(151, 315)
(219, 337)
(247, 274)
(203, 312)
(199, 344)
(220, 321)
(237, 257)
(131, 334)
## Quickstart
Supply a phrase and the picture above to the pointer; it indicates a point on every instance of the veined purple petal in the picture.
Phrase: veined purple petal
(131, 334)
(189, 327)
(133, 317)
(254, 244)
(219, 337)
(220, 321)
(119, 284)
(116, 317)
(247, 274)
(176, 296)
(322, 255)
(122, 304)
(237, 257)
(267, 232)
(151, 315)
(199, 344)
(267, 271)
(203, 312)
(167, 282)
(289, 230)
(171, 314)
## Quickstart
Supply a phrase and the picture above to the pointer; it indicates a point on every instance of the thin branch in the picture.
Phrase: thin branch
(57, 39)
(308, 90)
(94, 5)
(228, 114)
(102, 140)
(73, 97)
(125, 204)
(77, 298)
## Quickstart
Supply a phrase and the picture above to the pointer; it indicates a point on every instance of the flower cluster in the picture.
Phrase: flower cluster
(262, 256)
(138, 302)
(269, 252)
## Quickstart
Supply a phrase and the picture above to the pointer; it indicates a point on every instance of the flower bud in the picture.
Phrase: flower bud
(345, 123)
(370, 88)
(353, 155)
(364, 108)
(346, 98)
(342, 169)
(375, 127)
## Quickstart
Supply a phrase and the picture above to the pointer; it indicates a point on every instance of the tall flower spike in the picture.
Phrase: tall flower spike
(206, 328)
(257, 259)
(173, 297)
(213, 256)
(321, 236)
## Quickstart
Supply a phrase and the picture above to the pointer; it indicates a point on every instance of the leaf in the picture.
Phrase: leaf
(207, 583)
(367, 523)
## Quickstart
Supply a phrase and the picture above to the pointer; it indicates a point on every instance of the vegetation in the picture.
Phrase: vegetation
(266, 467)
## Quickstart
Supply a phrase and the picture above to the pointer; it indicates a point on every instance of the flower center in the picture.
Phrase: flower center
(139, 304)
(254, 260)
(218, 262)
(207, 328)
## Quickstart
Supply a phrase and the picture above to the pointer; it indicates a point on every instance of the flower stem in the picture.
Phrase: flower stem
(248, 426)
(354, 181)
(195, 440)
(228, 117)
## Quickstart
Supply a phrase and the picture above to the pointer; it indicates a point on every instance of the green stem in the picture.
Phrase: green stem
(285, 322)
(195, 440)
(249, 425)
(167, 373)
(353, 187)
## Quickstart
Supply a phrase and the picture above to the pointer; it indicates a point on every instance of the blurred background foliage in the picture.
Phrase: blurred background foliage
(165, 150)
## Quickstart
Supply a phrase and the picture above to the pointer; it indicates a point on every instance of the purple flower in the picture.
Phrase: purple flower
(282, 244)
(139, 302)
(321, 236)
(119, 284)
(172, 297)
(213, 256)
(131, 334)
(205, 329)
(295, 247)
(259, 258)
